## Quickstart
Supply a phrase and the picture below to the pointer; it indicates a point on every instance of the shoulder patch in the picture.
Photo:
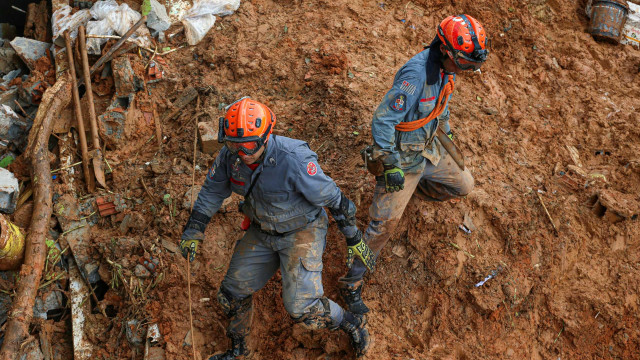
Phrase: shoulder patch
(408, 87)
(398, 103)
(312, 169)
(212, 170)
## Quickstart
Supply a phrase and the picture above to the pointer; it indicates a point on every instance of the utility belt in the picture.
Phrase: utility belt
(256, 225)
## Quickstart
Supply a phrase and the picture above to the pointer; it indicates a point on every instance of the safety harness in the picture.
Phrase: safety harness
(441, 104)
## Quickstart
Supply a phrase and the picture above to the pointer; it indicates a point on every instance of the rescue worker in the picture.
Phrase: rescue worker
(284, 192)
(404, 134)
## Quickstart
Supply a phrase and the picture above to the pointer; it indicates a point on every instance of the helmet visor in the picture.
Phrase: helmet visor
(243, 148)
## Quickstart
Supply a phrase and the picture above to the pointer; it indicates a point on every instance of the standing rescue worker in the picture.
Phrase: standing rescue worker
(404, 129)
(285, 191)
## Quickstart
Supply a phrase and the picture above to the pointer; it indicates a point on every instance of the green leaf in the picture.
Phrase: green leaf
(145, 9)
(478, 98)
(286, 29)
(350, 74)
(167, 198)
(356, 133)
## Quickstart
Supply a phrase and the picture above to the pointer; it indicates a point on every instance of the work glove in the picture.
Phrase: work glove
(189, 249)
(357, 247)
(393, 179)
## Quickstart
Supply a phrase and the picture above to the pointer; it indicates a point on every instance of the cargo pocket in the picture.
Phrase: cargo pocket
(278, 200)
(309, 282)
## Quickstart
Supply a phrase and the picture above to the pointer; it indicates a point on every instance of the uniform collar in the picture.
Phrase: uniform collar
(434, 64)
(270, 158)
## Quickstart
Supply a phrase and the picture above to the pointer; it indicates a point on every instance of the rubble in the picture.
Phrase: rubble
(30, 50)
(9, 60)
(158, 20)
(113, 122)
(80, 310)
(208, 137)
(9, 191)
(124, 78)
(13, 130)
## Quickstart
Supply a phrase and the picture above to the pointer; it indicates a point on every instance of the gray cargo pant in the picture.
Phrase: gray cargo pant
(257, 257)
(436, 183)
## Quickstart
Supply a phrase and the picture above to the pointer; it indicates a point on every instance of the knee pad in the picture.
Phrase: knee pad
(230, 305)
(317, 316)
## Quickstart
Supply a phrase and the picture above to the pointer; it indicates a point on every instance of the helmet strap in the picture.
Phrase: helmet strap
(474, 37)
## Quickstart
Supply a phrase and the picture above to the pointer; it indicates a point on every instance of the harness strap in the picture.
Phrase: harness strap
(441, 104)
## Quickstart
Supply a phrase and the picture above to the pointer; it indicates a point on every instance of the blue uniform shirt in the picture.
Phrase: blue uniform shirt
(413, 96)
(289, 193)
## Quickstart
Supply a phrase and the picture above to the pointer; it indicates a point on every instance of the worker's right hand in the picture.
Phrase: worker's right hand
(393, 179)
(189, 248)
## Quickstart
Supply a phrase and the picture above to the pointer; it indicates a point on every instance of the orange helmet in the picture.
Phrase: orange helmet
(465, 41)
(247, 126)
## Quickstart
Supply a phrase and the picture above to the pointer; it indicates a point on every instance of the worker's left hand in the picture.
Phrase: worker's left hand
(189, 249)
(357, 247)
(393, 179)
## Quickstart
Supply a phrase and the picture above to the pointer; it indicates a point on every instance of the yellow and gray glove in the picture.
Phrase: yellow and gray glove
(393, 178)
(189, 248)
(356, 247)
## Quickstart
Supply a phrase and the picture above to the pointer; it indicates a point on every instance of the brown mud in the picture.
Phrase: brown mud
(553, 112)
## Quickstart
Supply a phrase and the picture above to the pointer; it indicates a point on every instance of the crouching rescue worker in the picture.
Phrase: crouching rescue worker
(284, 192)
(410, 130)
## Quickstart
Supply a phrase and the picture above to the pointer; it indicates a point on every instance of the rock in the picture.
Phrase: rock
(615, 206)
(160, 167)
(490, 110)
(157, 20)
(208, 137)
(9, 60)
(156, 353)
(14, 129)
(30, 50)
(171, 247)
(141, 271)
(124, 78)
(9, 191)
(134, 332)
(186, 203)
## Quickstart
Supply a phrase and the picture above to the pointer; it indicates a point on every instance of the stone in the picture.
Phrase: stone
(9, 60)
(195, 190)
(14, 129)
(30, 50)
(9, 191)
(134, 332)
(124, 78)
(208, 137)
(141, 271)
(157, 20)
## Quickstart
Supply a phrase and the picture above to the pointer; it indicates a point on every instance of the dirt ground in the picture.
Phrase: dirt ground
(552, 116)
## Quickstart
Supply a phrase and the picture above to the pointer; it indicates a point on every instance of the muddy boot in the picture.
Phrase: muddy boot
(238, 349)
(351, 295)
(356, 327)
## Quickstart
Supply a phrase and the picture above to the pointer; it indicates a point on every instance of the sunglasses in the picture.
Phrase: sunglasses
(243, 148)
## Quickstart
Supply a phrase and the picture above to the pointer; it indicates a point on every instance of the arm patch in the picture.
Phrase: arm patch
(398, 103)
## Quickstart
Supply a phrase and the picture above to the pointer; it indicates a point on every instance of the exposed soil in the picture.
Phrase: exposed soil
(553, 113)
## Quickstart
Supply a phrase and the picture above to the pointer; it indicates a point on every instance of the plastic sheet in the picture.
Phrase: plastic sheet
(101, 9)
(63, 20)
(200, 18)
(101, 27)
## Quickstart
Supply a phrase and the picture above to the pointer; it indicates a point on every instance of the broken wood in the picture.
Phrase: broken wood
(555, 230)
(17, 327)
(98, 166)
(183, 100)
(91, 186)
(106, 57)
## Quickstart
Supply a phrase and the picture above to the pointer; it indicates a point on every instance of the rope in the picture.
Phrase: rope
(441, 104)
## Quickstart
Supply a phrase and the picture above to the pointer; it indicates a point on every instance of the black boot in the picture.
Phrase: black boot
(238, 349)
(351, 295)
(355, 326)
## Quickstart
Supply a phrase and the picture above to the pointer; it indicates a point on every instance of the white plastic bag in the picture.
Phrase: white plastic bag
(200, 18)
(631, 30)
(63, 20)
(101, 27)
(102, 8)
(123, 18)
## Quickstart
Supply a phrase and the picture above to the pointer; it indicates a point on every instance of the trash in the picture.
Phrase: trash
(100, 27)
(491, 275)
(200, 18)
(53, 301)
(150, 264)
(80, 310)
(157, 19)
(208, 137)
(134, 332)
(153, 334)
(123, 18)
(154, 72)
(62, 20)
(607, 19)
(30, 50)
(124, 78)
(464, 228)
(9, 191)
(631, 29)
(11, 245)
(101, 9)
